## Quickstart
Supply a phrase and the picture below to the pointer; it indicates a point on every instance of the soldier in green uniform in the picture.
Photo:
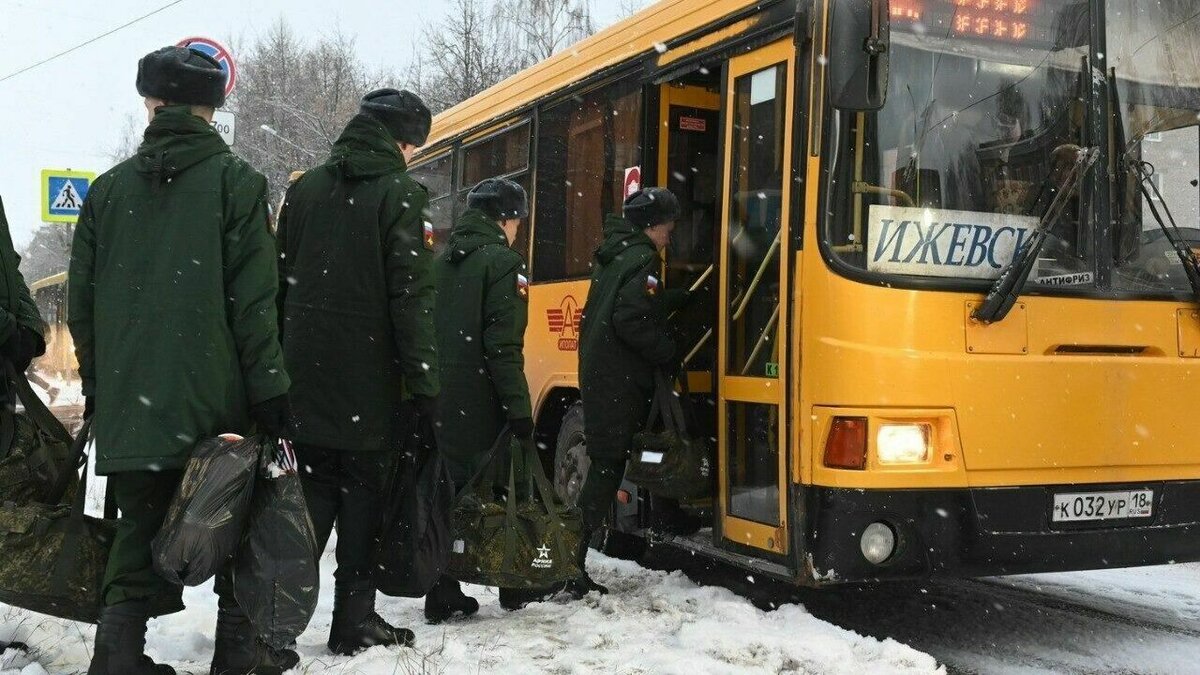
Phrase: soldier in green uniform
(356, 300)
(623, 338)
(22, 330)
(483, 307)
(172, 288)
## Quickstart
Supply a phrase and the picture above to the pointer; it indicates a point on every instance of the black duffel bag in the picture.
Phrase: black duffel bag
(528, 540)
(52, 558)
(415, 539)
(36, 461)
(667, 458)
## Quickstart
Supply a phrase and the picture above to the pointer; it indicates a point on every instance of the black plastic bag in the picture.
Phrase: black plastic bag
(204, 523)
(275, 572)
(414, 540)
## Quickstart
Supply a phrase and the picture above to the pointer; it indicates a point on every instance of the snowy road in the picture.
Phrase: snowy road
(1144, 620)
(1117, 621)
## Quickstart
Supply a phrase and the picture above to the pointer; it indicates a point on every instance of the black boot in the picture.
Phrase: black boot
(239, 651)
(584, 584)
(446, 600)
(121, 642)
(513, 599)
(356, 626)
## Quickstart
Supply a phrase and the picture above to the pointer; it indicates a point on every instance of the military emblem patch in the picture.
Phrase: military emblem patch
(522, 286)
(429, 240)
(651, 285)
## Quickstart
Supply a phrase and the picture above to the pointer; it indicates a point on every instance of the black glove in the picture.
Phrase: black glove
(89, 407)
(522, 428)
(273, 417)
(426, 406)
(22, 347)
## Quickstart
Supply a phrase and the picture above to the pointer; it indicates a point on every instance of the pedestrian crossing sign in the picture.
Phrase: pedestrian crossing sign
(63, 193)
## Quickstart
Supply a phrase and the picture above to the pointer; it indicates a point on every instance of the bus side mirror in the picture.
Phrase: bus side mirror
(859, 44)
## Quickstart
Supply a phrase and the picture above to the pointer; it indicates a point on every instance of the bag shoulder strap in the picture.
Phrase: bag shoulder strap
(78, 458)
(34, 407)
(488, 460)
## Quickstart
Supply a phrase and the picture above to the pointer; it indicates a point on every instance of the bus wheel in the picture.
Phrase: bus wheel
(570, 456)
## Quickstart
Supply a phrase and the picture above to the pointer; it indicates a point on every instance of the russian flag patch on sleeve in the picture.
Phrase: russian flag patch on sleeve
(522, 286)
(651, 285)
(428, 237)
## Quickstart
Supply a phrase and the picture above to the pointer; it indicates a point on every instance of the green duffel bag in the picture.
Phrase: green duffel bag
(529, 540)
(35, 450)
(667, 458)
(52, 558)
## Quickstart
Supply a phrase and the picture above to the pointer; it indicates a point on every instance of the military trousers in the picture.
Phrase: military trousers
(347, 489)
(143, 498)
(599, 490)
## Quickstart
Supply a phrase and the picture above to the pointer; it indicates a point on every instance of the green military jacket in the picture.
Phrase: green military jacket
(356, 293)
(171, 296)
(17, 307)
(623, 338)
(483, 308)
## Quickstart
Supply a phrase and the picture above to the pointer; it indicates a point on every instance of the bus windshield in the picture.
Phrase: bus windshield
(1154, 61)
(988, 104)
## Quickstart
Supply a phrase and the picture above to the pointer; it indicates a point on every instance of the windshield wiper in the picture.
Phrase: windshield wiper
(1145, 172)
(1012, 280)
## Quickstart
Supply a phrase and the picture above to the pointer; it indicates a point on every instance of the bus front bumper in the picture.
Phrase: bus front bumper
(993, 531)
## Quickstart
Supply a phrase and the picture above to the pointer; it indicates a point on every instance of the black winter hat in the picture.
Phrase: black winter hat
(402, 113)
(499, 198)
(651, 206)
(179, 75)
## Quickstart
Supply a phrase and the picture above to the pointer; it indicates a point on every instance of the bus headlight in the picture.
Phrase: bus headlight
(903, 443)
(878, 543)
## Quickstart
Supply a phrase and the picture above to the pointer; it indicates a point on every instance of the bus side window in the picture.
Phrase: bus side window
(435, 176)
(584, 146)
(501, 155)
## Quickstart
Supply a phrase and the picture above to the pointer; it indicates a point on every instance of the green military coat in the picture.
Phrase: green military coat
(356, 293)
(623, 338)
(171, 297)
(17, 307)
(483, 308)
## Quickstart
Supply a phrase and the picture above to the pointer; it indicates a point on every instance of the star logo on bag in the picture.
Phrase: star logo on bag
(543, 561)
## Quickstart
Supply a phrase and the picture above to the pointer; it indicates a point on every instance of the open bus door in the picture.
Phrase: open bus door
(753, 275)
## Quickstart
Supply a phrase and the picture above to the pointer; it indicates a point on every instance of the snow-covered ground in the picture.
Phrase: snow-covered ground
(651, 622)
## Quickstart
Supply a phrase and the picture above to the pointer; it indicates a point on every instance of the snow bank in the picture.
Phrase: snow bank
(652, 622)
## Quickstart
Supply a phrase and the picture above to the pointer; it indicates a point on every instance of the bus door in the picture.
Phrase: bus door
(753, 278)
(688, 165)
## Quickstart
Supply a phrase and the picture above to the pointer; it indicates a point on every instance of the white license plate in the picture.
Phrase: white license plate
(1076, 506)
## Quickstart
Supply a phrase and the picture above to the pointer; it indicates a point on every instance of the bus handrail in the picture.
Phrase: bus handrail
(758, 276)
(762, 340)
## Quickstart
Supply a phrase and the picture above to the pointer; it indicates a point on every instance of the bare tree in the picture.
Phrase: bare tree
(49, 252)
(128, 141)
(479, 45)
(465, 55)
(293, 99)
(540, 29)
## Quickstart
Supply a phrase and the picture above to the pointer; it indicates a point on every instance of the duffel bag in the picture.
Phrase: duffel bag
(275, 574)
(204, 522)
(667, 459)
(529, 540)
(35, 450)
(415, 539)
(52, 558)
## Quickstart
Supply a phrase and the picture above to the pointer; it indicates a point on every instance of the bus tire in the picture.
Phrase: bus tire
(571, 462)
(571, 465)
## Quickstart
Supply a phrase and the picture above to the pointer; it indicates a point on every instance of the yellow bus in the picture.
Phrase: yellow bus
(951, 325)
